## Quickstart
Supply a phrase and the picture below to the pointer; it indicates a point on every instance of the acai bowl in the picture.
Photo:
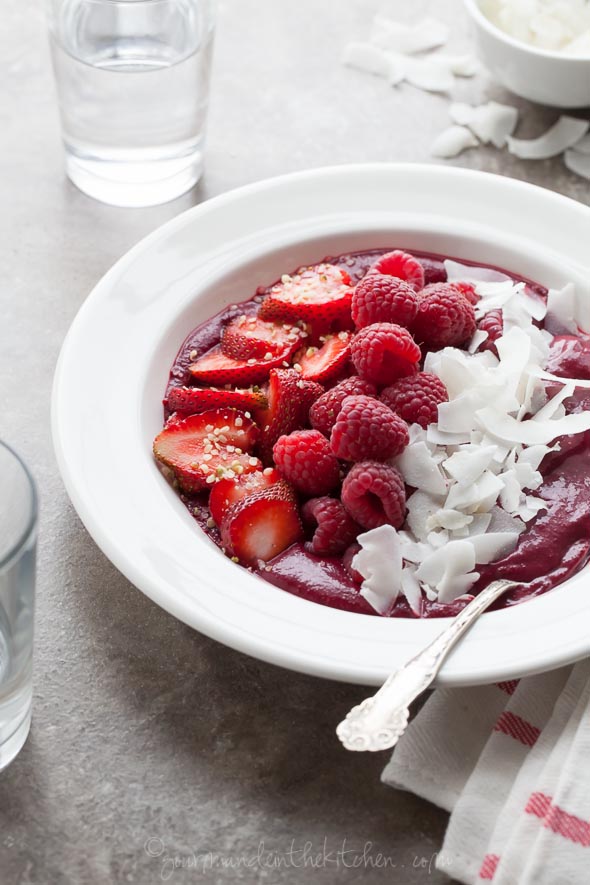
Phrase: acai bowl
(217, 255)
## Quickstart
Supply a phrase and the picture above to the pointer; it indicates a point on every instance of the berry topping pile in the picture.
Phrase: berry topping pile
(354, 416)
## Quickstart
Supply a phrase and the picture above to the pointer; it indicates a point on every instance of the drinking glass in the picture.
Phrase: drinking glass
(133, 84)
(18, 530)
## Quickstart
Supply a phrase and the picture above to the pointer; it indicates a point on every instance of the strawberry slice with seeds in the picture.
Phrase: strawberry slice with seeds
(262, 525)
(207, 447)
(190, 400)
(290, 398)
(320, 294)
(323, 364)
(228, 492)
(250, 337)
(214, 368)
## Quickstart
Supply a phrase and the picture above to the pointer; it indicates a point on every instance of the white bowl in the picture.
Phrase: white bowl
(546, 77)
(114, 365)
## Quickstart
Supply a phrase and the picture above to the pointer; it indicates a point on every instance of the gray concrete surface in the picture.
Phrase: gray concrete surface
(155, 753)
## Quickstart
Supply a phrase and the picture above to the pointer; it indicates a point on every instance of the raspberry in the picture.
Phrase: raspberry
(402, 265)
(374, 494)
(384, 352)
(334, 528)
(383, 299)
(306, 460)
(434, 271)
(366, 428)
(468, 291)
(347, 558)
(324, 411)
(493, 324)
(445, 318)
(416, 399)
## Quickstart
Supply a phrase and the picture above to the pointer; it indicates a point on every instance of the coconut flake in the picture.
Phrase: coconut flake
(420, 507)
(490, 547)
(562, 135)
(368, 58)
(420, 470)
(449, 570)
(491, 122)
(411, 589)
(432, 74)
(531, 432)
(463, 273)
(577, 162)
(380, 563)
(582, 146)
(467, 465)
(479, 497)
(425, 34)
(452, 142)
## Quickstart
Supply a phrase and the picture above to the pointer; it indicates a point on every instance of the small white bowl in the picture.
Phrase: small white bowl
(545, 77)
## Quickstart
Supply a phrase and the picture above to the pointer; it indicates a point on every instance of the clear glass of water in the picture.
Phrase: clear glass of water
(133, 84)
(18, 536)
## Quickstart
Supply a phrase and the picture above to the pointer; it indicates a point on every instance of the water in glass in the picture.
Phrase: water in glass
(133, 83)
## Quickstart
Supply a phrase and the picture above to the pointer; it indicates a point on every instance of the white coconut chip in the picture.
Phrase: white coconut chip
(420, 470)
(420, 507)
(467, 465)
(562, 304)
(577, 162)
(582, 146)
(531, 432)
(431, 73)
(492, 546)
(491, 122)
(463, 65)
(449, 570)
(479, 336)
(368, 58)
(380, 563)
(423, 35)
(411, 589)
(452, 142)
(531, 507)
(463, 273)
(562, 135)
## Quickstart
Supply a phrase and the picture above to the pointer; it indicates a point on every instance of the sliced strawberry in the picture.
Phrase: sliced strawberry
(290, 398)
(262, 525)
(250, 337)
(320, 294)
(205, 448)
(215, 368)
(326, 362)
(228, 492)
(190, 400)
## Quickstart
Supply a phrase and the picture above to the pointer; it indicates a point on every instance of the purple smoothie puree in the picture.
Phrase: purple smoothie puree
(555, 544)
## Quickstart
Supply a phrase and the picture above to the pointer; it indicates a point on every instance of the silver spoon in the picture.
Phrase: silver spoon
(379, 721)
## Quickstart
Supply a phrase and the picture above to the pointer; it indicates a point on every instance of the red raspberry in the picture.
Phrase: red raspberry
(493, 324)
(384, 352)
(334, 528)
(403, 265)
(366, 428)
(416, 399)
(374, 494)
(468, 291)
(324, 411)
(445, 318)
(434, 270)
(383, 299)
(306, 460)
(347, 558)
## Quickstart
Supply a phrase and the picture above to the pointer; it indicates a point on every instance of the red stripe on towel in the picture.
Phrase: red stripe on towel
(559, 821)
(508, 687)
(516, 727)
(488, 867)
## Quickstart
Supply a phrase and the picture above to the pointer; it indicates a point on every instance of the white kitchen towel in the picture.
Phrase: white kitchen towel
(511, 762)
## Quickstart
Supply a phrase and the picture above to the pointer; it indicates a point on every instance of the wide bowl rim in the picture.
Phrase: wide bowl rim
(372, 178)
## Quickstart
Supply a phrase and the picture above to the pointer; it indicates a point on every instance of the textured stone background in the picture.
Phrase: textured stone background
(144, 730)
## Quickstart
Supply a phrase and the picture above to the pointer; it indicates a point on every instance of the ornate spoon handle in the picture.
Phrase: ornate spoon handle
(379, 721)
